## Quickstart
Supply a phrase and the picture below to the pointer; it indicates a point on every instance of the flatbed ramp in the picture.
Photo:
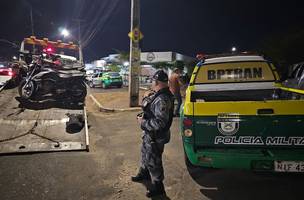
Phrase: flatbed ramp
(39, 128)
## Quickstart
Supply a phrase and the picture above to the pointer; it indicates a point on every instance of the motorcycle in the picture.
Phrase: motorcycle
(49, 78)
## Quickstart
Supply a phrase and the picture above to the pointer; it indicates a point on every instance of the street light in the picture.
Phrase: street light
(233, 49)
(65, 32)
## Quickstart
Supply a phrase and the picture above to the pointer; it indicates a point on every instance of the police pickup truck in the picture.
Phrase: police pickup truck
(235, 115)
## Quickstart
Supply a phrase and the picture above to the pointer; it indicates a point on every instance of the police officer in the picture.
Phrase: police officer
(155, 123)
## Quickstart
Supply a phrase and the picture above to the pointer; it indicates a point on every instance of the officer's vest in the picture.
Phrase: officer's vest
(148, 114)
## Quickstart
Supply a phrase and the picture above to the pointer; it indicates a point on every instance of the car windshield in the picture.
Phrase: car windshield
(113, 74)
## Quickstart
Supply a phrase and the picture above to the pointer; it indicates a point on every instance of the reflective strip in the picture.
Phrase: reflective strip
(234, 86)
(280, 107)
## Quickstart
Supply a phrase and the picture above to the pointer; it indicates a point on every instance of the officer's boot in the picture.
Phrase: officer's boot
(143, 174)
(156, 190)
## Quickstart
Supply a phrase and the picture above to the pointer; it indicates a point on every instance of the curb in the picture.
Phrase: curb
(104, 109)
(143, 88)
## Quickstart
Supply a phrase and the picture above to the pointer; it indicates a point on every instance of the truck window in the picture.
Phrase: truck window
(237, 81)
(234, 72)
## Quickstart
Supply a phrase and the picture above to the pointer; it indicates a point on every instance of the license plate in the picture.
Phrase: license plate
(288, 166)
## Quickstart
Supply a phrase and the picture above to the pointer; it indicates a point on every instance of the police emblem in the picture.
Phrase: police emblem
(228, 123)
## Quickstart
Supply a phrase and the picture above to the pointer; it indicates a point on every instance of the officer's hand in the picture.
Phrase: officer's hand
(148, 93)
(139, 119)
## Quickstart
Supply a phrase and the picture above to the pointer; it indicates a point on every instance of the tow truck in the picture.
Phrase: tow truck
(45, 126)
(237, 115)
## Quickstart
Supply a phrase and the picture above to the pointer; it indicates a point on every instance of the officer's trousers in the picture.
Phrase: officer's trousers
(151, 158)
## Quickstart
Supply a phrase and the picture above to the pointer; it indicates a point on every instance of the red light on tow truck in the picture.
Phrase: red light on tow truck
(48, 50)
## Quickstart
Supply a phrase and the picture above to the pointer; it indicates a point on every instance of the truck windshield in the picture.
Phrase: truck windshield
(113, 74)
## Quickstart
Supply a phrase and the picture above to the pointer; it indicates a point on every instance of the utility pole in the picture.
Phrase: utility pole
(134, 54)
(79, 21)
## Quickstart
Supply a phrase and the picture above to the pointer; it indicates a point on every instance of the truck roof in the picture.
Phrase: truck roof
(223, 59)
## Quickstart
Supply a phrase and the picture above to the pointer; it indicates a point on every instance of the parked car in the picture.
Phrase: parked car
(109, 79)
(94, 80)
(9, 73)
(296, 77)
(105, 80)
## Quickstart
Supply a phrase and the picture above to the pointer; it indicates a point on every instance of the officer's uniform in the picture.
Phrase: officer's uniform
(156, 123)
(157, 119)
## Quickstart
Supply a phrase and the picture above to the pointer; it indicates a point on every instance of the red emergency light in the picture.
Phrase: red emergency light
(48, 50)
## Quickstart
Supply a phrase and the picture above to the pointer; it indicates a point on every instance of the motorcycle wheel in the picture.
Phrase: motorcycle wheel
(27, 91)
(91, 84)
(79, 92)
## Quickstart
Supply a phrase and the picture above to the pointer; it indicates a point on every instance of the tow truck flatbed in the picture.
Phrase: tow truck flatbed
(38, 129)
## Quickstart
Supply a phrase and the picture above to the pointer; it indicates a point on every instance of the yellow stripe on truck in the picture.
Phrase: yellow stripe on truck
(284, 107)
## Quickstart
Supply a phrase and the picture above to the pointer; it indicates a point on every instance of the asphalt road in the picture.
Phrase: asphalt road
(104, 172)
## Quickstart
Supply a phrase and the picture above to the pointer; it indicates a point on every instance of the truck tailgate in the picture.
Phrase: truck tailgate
(239, 124)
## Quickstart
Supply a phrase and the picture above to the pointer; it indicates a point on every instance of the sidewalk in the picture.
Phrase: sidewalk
(115, 101)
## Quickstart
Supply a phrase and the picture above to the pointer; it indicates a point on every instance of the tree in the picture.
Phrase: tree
(285, 49)
(114, 67)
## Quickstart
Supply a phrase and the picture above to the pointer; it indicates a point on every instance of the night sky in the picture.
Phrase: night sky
(184, 26)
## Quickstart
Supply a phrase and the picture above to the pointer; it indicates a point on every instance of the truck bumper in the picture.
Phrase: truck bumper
(250, 159)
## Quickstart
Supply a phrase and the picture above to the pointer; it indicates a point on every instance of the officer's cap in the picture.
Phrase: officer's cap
(160, 75)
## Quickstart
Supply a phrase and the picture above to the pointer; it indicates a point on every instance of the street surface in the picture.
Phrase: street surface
(104, 172)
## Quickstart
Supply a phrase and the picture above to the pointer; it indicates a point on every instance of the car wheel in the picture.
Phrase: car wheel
(103, 85)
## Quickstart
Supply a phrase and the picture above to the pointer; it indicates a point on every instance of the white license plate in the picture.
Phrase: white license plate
(288, 166)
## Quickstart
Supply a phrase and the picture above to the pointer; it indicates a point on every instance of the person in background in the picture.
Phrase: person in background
(174, 86)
